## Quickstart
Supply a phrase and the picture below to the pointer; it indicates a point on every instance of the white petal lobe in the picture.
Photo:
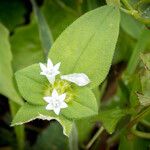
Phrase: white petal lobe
(49, 64)
(80, 79)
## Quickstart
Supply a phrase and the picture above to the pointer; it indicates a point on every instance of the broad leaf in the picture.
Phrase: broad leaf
(31, 112)
(7, 87)
(88, 44)
(110, 118)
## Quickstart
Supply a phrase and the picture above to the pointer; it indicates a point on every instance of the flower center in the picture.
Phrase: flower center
(56, 103)
(61, 87)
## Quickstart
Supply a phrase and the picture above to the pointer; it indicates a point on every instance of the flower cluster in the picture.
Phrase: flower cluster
(56, 102)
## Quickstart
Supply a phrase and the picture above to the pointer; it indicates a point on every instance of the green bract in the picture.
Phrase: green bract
(86, 46)
(33, 88)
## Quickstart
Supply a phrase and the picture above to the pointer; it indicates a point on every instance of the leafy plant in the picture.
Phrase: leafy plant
(84, 64)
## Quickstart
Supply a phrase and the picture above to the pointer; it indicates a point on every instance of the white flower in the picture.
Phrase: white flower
(50, 70)
(55, 102)
(80, 79)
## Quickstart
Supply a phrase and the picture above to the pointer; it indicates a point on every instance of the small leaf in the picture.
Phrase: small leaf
(145, 81)
(144, 100)
(84, 104)
(110, 118)
(131, 25)
(31, 84)
(31, 112)
(146, 60)
(140, 46)
(87, 46)
(7, 87)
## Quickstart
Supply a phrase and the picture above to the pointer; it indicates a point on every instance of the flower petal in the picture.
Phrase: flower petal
(43, 67)
(56, 67)
(64, 105)
(62, 97)
(47, 99)
(54, 94)
(49, 64)
(80, 79)
(57, 110)
(49, 107)
(51, 79)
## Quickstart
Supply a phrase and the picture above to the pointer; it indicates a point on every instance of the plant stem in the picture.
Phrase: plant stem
(127, 5)
(134, 12)
(19, 130)
(139, 117)
(145, 123)
(113, 139)
(140, 133)
(66, 8)
(101, 129)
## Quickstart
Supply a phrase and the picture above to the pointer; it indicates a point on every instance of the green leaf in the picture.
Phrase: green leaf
(44, 31)
(140, 46)
(144, 100)
(7, 87)
(131, 25)
(146, 60)
(52, 137)
(145, 81)
(135, 84)
(83, 105)
(123, 51)
(133, 144)
(31, 84)
(26, 47)
(88, 44)
(57, 17)
(110, 118)
(31, 112)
